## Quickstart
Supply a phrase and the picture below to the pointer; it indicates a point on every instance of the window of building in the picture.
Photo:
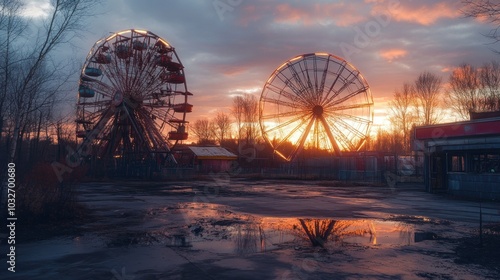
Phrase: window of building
(457, 163)
(486, 163)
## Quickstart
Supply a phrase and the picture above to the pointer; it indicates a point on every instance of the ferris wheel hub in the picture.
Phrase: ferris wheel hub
(117, 98)
(317, 110)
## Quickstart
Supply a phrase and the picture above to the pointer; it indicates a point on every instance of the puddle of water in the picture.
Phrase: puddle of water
(379, 232)
(215, 229)
(58, 247)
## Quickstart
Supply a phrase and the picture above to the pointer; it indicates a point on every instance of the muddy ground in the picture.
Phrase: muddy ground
(243, 229)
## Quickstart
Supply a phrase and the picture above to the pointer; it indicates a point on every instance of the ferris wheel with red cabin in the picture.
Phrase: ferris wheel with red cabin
(132, 97)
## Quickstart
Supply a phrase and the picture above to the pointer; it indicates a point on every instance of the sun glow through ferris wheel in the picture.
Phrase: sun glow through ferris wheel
(315, 101)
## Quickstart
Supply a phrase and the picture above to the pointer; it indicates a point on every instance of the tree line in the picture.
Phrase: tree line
(32, 80)
(428, 100)
(240, 124)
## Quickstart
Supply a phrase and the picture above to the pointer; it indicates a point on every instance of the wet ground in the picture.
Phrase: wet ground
(239, 229)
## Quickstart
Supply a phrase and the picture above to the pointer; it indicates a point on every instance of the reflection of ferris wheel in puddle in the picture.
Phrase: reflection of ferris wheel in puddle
(132, 93)
(315, 101)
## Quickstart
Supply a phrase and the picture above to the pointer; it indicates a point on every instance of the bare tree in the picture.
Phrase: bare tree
(251, 107)
(204, 130)
(222, 124)
(245, 111)
(464, 91)
(475, 89)
(427, 98)
(11, 28)
(485, 9)
(32, 76)
(402, 113)
(388, 141)
(490, 85)
(237, 111)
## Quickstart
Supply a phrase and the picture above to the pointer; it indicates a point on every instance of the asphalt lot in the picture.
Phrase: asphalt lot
(244, 229)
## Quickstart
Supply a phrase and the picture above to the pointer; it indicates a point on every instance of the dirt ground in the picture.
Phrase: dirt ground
(263, 229)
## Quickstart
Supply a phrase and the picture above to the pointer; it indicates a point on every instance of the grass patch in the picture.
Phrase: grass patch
(46, 207)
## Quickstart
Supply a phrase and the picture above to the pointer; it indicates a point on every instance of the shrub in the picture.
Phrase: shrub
(44, 202)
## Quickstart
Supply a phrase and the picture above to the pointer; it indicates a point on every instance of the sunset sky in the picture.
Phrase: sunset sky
(230, 47)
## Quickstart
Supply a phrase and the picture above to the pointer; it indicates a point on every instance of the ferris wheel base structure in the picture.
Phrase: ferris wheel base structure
(132, 103)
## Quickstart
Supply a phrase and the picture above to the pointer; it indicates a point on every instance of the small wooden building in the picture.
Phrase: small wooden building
(212, 159)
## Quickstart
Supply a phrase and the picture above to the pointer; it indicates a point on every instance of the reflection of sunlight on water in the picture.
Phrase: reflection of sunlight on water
(381, 233)
(225, 231)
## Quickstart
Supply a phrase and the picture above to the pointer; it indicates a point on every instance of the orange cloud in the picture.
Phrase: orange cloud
(320, 13)
(424, 15)
(251, 14)
(448, 69)
(288, 14)
(339, 14)
(393, 54)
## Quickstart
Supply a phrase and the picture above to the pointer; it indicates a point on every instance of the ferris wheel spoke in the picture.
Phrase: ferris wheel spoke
(151, 124)
(335, 94)
(353, 75)
(304, 89)
(338, 74)
(342, 136)
(292, 132)
(298, 92)
(286, 123)
(329, 134)
(350, 128)
(95, 116)
(349, 107)
(318, 89)
(309, 88)
(299, 100)
(113, 75)
(145, 122)
(333, 102)
(295, 76)
(112, 139)
(158, 115)
(100, 88)
(96, 131)
(351, 117)
(116, 73)
(282, 103)
(283, 115)
(323, 78)
(163, 117)
(95, 103)
(302, 138)
(154, 135)
(163, 112)
(316, 132)
(140, 131)
(146, 80)
(105, 134)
